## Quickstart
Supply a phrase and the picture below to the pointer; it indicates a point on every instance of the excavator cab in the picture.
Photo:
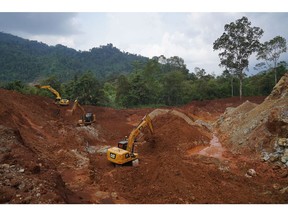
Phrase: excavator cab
(63, 102)
(123, 144)
(88, 117)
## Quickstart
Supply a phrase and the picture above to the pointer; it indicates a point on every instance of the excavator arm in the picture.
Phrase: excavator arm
(58, 97)
(75, 105)
(135, 132)
(59, 100)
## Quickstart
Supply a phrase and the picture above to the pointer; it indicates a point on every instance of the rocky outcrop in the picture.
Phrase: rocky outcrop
(259, 127)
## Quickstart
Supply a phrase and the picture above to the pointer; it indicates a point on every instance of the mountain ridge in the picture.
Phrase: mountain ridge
(29, 60)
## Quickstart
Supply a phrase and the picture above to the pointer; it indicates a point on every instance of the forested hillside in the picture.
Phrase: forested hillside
(26, 60)
(108, 77)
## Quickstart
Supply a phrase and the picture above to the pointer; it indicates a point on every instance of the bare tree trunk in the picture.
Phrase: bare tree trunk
(240, 76)
(232, 89)
(240, 88)
(275, 71)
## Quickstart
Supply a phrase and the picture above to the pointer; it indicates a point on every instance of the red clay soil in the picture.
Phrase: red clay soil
(210, 110)
(46, 158)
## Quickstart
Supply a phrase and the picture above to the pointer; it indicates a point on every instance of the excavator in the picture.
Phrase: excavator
(87, 118)
(58, 99)
(124, 153)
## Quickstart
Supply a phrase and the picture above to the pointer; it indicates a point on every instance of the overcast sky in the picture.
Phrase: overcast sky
(189, 35)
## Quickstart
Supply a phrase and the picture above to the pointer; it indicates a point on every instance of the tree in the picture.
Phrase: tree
(238, 42)
(177, 63)
(173, 88)
(229, 75)
(87, 89)
(152, 75)
(173, 63)
(270, 51)
(110, 94)
(139, 93)
(200, 73)
(122, 91)
(16, 85)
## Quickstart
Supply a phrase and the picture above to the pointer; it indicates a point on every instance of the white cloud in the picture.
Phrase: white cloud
(187, 35)
(54, 40)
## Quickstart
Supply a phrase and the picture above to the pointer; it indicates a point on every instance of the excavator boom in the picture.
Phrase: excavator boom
(87, 118)
(135, 132)
(58, 99)
(75, 105)
(124, 153)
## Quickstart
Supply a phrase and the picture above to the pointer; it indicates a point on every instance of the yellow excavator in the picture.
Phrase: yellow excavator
(87, 118)
(58, 99)
(124, 153)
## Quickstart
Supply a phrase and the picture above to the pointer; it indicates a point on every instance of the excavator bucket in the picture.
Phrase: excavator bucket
(37, 86)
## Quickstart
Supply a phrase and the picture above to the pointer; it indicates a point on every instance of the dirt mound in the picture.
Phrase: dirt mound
(173, 133)
(240, 110)
(254, 128)
(160, 162)
(43, 139)
(210, 110)
(280, 90)
(26, 178)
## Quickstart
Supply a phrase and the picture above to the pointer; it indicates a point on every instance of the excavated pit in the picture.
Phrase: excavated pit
(46, 158)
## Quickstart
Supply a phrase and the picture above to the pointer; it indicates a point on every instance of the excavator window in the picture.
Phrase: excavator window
(123, 144)
(88, 117)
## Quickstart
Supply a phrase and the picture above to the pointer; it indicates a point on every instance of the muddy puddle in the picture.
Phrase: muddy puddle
(214, 149)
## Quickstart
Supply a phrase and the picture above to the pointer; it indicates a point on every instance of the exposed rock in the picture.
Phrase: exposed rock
(276, 186)
(265, 156)
(251, 172)
(4, 166)
(102, 195)
(114, 195)
(205, 124)
(284, 190)
(21, 170)
(284, 159)
(280, 89)
(274, 158)
(244, 124)
(284, 174)
(103, 149)
(248, 176)
(276, 167)
(283, 142)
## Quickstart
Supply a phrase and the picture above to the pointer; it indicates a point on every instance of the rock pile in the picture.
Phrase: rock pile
(258, 127)
(280, 152)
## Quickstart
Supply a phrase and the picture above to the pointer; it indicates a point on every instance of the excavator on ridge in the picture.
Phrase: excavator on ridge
(58, 99)
(124, 153)
(87, 118)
